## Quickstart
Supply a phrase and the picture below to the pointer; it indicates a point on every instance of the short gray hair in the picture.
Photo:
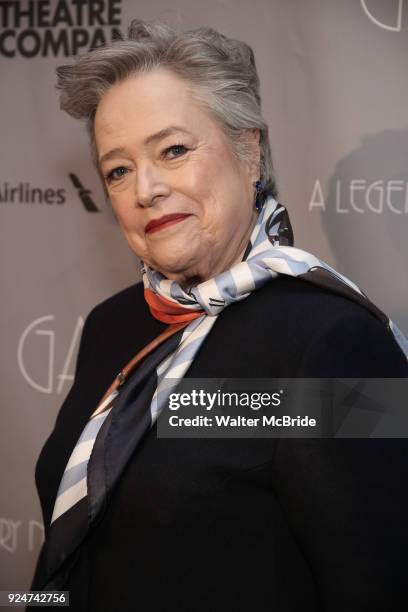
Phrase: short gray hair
(222, 70)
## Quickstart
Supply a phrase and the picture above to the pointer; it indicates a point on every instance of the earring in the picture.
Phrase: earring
(258, 189)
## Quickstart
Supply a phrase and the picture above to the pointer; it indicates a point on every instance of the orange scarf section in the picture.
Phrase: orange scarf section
(168, 312)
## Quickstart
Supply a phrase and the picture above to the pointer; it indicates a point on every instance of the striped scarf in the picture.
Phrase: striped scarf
(98, 460)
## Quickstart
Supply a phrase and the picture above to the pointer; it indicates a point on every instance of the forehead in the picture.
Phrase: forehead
(147, 103)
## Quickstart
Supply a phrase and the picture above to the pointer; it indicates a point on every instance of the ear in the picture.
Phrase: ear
(252, 137)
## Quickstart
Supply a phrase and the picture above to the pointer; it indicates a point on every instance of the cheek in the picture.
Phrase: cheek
(228, 205)
(129, 223)
(123, 210)
(208, 184)
(195, 182)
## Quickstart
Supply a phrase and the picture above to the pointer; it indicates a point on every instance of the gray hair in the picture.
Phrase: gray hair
(222, 70)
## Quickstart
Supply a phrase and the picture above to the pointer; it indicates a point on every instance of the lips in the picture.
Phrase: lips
(158, 224)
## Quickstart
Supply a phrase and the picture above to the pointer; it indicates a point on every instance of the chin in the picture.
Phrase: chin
(178, 273)
(171, 266)
(175, 273)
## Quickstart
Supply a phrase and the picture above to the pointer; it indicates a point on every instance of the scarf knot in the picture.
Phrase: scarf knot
(270, 252)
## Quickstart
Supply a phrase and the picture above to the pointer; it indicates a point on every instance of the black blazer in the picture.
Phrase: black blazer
(203, 525)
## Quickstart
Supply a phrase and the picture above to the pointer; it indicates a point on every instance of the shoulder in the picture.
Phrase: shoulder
(320, 333)
(129, 299)
(344, 338)
(292, 303)
(306, 302)
(115, 330)
(127, 307)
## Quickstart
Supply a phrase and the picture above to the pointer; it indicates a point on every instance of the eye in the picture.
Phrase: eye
(116, 174)
(174, 151)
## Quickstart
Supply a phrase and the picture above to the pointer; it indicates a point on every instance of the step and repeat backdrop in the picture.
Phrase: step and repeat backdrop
(335, 94)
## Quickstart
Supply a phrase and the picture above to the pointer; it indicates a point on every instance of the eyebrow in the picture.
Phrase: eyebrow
(118, 151)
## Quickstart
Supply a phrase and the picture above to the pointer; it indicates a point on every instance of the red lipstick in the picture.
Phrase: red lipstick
(155, 225)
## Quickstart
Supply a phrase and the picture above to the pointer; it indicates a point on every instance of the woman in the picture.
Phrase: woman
(134, 521)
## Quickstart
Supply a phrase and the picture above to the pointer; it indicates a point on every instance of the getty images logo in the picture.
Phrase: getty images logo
(397, 7)
(84, 194)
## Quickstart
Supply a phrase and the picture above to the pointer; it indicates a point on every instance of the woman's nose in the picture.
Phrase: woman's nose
(150, 186)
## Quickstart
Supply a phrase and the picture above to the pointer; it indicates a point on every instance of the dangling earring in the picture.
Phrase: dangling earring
(258, 189)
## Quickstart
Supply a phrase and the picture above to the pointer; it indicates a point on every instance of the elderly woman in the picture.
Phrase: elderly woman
(137, 522)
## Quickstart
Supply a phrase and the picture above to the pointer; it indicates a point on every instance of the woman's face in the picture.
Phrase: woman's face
(183, 200)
